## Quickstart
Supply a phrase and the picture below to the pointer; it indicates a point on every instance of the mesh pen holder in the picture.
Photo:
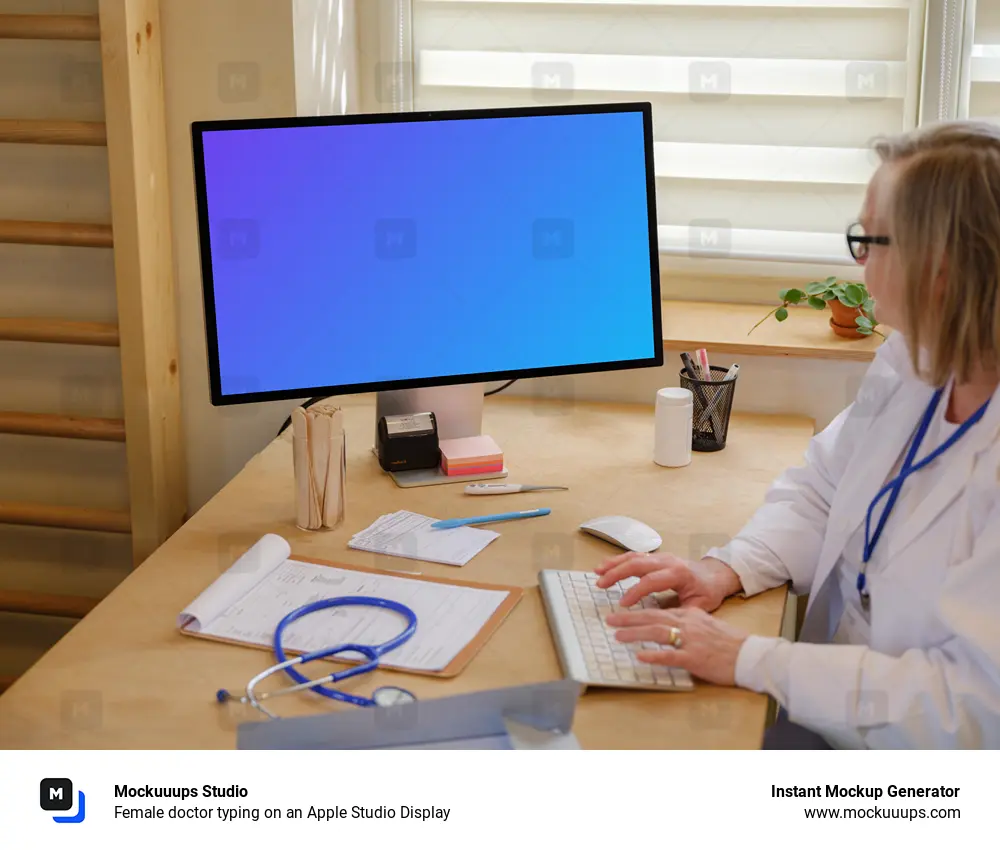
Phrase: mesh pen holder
(713, 405)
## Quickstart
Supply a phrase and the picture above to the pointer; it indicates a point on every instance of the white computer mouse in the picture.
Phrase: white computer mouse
(625, 532)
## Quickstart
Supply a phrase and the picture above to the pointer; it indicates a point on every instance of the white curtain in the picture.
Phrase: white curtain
(981, 68)
(763, 110)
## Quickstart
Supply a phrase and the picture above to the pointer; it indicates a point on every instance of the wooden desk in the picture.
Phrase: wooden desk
(125, 678)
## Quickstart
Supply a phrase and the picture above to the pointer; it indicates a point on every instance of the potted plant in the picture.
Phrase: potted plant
(852, 307)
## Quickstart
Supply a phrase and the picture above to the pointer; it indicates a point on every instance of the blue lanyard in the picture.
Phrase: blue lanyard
(894, 486)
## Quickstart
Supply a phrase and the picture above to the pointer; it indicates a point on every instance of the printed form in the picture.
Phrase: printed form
(409, 535)
(448, 617)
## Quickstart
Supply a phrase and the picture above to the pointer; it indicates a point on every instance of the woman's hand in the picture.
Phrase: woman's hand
(698, 584)
(708, 646)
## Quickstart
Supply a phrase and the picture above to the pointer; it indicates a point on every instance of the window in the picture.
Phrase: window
(763, 111)
(982, 68)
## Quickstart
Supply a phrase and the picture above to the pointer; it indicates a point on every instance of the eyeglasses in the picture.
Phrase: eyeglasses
(858, 243)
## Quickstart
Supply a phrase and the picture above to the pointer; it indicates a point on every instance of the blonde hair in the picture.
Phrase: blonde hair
(944, 213)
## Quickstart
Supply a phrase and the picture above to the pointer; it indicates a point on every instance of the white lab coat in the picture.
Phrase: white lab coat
(931, 675)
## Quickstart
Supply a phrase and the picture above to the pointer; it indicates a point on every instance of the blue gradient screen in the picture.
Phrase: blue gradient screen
(399, 251)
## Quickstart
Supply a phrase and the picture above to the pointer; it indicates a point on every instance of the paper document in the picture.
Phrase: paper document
(409, 535)
(246, 603)
(250, 570)
(448, 616)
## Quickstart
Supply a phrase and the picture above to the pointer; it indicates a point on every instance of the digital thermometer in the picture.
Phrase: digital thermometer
(500, 489)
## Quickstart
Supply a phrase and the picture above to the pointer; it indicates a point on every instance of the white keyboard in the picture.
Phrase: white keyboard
(589, 653)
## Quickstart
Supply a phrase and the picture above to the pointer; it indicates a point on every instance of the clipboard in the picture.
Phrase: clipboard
(453, 668)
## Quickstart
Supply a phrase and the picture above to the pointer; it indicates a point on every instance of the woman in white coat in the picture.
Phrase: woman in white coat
(900, 646)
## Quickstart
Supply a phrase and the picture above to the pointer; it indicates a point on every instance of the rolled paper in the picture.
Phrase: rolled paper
(320, 460)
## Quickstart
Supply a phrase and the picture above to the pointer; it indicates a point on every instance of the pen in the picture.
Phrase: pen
(689, 366)
(692, 372)
(706, 370)
(476, 520)
(733, 372)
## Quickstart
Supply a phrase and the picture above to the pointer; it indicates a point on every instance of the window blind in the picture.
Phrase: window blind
(763, 111)
(984, 89)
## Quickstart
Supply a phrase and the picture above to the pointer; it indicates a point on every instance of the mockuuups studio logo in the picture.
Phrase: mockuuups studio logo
(237, 239)
(239, 82)
(552, 81)
(552, 238)
(866, 81)
(710, 237)
(56, 795)
(710, 81)
(395, 238)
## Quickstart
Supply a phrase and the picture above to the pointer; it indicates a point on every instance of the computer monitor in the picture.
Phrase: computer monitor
(389, 252)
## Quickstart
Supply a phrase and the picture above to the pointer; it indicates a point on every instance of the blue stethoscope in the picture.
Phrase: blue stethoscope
(896, 484)
(383, 697)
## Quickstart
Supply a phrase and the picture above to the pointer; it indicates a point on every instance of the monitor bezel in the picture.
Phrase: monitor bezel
(200, 128)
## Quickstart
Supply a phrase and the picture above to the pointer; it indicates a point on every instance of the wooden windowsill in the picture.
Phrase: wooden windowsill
(723, 328)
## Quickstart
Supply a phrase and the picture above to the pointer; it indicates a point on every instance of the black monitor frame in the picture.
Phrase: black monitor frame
(199, 128)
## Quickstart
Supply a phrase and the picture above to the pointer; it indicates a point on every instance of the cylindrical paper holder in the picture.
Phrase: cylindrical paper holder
(319, 450)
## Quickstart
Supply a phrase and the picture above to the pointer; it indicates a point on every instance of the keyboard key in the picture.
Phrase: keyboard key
(661, 675)
(681, 677)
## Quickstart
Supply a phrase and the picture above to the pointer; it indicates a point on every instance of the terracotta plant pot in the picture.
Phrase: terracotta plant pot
(842, 321)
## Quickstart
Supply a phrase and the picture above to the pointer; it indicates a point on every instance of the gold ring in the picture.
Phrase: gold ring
(675, 638)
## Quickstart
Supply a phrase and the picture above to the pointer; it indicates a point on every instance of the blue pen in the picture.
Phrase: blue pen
(475, 520)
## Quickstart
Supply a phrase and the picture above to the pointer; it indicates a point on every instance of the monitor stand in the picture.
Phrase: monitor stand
(458, 410)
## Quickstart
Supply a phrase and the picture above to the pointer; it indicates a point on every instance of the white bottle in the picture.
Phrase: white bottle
(674, 415)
